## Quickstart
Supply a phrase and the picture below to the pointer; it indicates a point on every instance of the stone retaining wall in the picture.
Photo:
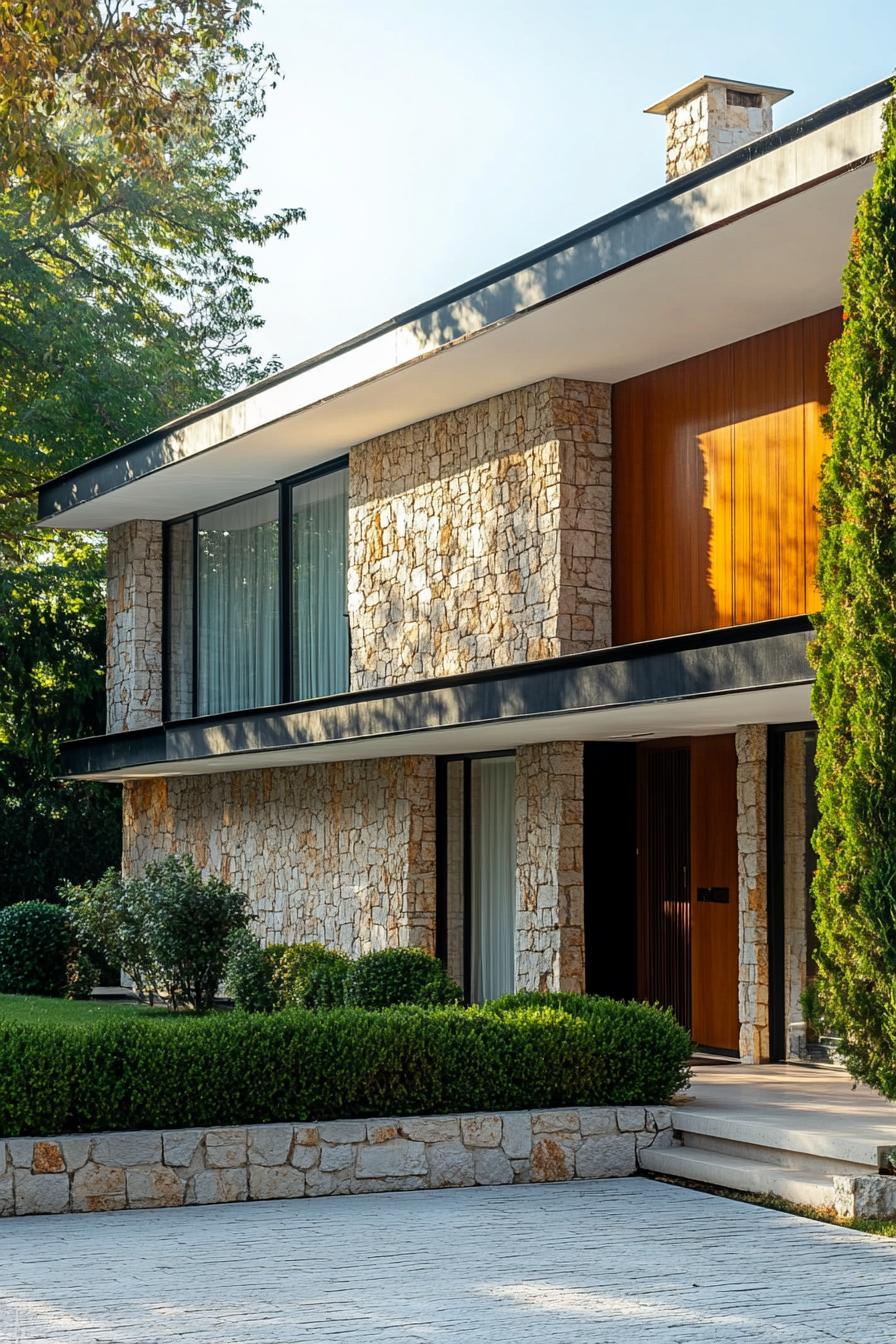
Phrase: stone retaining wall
(91, 1173)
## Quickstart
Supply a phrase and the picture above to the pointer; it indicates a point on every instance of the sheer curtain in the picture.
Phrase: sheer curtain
(320, 627)
(239, 610)
(493, 885)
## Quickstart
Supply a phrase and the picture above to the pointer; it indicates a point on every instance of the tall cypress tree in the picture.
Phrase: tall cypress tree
(854, 699)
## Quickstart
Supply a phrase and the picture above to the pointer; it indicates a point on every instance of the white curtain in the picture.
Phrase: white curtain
(493, 886)
(320, 627)
(239, 610)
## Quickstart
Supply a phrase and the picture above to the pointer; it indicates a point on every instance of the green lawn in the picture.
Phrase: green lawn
(21, 1008)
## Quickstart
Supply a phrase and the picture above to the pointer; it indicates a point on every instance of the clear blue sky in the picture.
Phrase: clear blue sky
(429, 142)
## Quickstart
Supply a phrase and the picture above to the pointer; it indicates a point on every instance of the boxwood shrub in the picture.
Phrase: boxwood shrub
(35, 947)
(241, 1068)
(399, 975)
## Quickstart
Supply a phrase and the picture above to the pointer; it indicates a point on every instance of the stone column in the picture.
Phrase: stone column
(134, 626)
(550, 945)
(752, 864)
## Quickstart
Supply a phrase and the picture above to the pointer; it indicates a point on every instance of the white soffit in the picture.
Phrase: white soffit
(763, 270)
(772, 250)
(695, 717)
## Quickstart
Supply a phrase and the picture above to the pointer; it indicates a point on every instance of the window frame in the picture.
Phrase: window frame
(284, 487)
(442, 763)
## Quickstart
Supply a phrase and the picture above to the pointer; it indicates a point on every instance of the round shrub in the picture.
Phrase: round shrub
(35, 946)
(399, 975)
(308, 975)
(248, 974)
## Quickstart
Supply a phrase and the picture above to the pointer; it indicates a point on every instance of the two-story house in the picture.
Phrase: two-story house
(486, 632)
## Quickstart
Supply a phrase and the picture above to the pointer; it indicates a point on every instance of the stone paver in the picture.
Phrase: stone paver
(610, 1262)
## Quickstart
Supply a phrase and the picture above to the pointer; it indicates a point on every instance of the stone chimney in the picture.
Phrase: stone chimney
(711, 117)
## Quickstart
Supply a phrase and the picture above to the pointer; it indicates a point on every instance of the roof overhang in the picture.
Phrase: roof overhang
(751, 241)
(688, 685)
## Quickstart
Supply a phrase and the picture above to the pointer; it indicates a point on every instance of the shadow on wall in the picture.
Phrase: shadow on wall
(716, 463)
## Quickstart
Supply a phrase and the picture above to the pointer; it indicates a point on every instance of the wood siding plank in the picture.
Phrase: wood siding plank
(715, 464)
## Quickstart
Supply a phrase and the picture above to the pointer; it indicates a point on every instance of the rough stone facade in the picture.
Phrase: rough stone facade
(708, 124)
(149, 1169)
(752, 864)
(550, 936)
(482, 536)
(343, 853)
(134, 626)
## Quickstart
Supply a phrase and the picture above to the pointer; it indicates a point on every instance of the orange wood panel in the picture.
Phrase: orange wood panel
(715, 465)
(769, 476)
(820, 331)
(714, 924)
(672, 462)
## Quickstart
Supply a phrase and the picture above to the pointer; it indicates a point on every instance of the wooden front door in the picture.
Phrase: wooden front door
(687, 884)
(664, 888)
(714, 907)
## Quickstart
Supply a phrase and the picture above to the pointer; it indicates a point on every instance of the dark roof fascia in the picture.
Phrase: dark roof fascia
(652, 200)
(764, 654)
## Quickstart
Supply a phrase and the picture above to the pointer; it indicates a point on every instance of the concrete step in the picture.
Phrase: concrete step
(740, 1173)
(828, 1146)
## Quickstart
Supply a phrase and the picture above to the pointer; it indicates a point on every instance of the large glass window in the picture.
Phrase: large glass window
(319, 619)
(255, 599)
(238, 606)
(477, 834)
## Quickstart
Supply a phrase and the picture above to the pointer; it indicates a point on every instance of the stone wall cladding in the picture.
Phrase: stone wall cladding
(100, 1173)
(482, 536)
(550, 950)
(343, 853)
(753, 980)
(134, 626)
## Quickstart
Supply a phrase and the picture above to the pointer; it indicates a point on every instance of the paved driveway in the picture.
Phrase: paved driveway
(618, 1261)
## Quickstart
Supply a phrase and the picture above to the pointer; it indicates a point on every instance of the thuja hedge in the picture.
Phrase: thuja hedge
(854, 698)
(241, 1068)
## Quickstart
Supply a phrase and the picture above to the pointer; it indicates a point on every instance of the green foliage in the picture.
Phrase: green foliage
(170, 930)
(239, 1068)
(52, 637)
(189, 920)
(35, 947)
(308, 975)
(641, 1040)
(399, 975)
(854, 698)
(248, 974)
(111, 919)
(128, 246)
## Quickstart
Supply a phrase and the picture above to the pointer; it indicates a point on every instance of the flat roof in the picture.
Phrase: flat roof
(708, 682)
(603, 302)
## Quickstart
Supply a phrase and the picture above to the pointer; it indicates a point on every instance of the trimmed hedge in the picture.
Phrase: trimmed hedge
(241, 1068)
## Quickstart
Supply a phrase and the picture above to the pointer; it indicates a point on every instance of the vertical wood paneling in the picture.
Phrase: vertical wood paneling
(820, 331)
(664, 879)
(715, 467)
(769, 476)
(714, 925)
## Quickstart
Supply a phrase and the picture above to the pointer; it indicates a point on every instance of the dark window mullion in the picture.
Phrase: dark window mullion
(286, 594)
(195, 650)
(467, 877)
